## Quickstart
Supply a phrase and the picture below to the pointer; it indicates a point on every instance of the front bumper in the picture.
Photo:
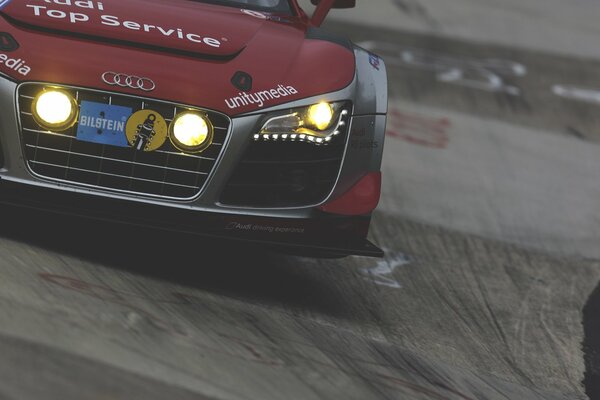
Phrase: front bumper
(328, 236)
(303, 230)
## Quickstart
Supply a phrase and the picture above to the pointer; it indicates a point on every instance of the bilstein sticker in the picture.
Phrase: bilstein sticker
(260, 98)
(103, 123)
(146, 130)
(79, 17)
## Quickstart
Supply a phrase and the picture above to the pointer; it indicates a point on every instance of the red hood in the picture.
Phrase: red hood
(172, 24)
(191, 50)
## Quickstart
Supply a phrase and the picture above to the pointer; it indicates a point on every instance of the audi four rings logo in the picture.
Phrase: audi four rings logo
(130, 81)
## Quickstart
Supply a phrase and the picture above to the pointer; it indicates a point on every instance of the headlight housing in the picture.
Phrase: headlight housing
(191, 132)
(55, 110)
(318, 123)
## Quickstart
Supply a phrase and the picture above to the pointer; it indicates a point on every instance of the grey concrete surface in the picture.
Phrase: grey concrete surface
(490, 226)
(461, 317)
(495, 179)
(35, 371)
(554, 26)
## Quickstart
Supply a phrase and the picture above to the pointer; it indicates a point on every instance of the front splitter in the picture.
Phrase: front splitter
(322, 236)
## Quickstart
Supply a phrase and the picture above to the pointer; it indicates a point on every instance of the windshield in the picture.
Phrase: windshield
(273, 6)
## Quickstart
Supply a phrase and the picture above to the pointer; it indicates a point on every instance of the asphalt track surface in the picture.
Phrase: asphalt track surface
(490, 220)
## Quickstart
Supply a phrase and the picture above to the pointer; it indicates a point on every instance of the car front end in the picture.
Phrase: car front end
(258, 128)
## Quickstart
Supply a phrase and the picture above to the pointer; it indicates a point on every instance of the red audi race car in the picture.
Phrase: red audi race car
(240, 120)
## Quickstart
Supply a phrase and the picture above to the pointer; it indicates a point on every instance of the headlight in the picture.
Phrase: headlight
(320, 116)
(318, 123)
(191, 132)
(55, 110)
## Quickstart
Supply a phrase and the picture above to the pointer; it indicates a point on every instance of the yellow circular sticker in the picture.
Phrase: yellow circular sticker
(146, 130)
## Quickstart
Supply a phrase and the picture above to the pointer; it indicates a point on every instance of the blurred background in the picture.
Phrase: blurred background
(555, 26)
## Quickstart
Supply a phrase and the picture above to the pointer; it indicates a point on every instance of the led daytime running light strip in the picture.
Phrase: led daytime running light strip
(303, 137)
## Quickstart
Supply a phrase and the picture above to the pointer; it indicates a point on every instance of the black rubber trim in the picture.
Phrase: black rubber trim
(118, 42)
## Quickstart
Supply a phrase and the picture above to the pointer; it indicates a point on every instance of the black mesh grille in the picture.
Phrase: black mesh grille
(165, 172)
(281, 174)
